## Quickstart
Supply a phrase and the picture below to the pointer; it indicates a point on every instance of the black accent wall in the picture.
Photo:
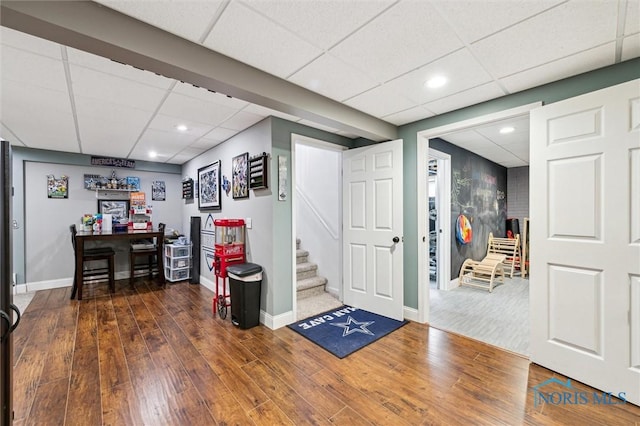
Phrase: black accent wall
(479, 191)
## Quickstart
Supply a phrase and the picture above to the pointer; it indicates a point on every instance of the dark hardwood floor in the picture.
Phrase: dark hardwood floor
(157, 356)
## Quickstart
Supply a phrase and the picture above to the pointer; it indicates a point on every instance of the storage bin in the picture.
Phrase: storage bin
(177, 251)
(176, 274)
(180, 262)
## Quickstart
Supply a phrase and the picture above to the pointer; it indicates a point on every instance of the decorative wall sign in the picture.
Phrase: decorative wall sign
(57, 187)
(258, 171)
(158, 190)
(118, 209)
(113, 162)
(239, 182)
(187, 189)
(226, 185)
(282, 178)
(209, 187)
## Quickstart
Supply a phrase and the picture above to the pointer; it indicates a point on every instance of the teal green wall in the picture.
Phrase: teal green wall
(548, 93)
(281, 131)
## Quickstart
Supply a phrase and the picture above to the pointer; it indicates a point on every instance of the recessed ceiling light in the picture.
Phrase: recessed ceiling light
(435, 82)
(506, 130)
(182, 128)
(153, 154)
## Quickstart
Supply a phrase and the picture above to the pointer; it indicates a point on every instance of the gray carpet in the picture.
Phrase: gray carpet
(500, 318)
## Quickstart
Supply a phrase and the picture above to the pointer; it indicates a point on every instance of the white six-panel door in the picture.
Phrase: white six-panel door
(372, 219)
(585, 238)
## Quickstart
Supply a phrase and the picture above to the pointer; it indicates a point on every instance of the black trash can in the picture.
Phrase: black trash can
(245, 281)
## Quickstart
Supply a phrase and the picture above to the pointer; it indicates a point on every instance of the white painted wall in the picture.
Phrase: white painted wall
(48, 250)
(318, 209)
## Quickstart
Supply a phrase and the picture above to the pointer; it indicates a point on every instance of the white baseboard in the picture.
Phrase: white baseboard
(43, 285)
(410, 314)
(454, 283)
(205, 282)
(275, 322)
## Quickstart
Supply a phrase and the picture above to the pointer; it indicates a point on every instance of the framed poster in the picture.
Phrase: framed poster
(239, 181)
(118, 209)
(158, 190)
(57, 187)
(209, 187)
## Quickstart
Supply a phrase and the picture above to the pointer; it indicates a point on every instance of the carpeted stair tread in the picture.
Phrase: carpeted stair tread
(312, 282)
(306, 266)
(301, 256)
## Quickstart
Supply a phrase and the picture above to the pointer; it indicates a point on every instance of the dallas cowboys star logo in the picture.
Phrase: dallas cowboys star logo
(361, 327)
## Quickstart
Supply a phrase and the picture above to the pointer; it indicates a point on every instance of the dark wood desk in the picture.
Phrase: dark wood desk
(83, 236)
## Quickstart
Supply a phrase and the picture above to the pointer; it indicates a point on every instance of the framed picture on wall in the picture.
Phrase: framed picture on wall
(158, 190)
(118, 209)
(209, 187)
(239, 183)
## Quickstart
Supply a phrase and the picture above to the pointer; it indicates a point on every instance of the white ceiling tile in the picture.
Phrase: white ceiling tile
(322, 23)
(188, 19)
(107, 66)
(408, 116)
(631, 47)
(190, 152)
(405, 37)
(205, 144)
(333, 78)
(208, 96)
(242, 120)
(520, 134)
(41, 71)
(165, 144)
(557, 70)
(460, 69)
(29, 43)
(466, 138)
(380, 101)
(632, 21)
(169, 124)
(8, 135)
(465, 98)
(266, 112)
(249, 37)
(55, 128)
(559, 32)
(475, 19)
(180, 106)
(515, 163)
(108, 88)
(221, 134)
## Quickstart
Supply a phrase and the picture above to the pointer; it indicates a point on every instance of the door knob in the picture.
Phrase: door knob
(396, 239)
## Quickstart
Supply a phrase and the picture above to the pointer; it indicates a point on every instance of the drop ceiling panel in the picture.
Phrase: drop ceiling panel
(242, 120)
(408, 116)
(631, 47)
(108, 88)
(406, 36)
(465, 98)
(8, 135)
(204, 143)
(55, 128)
(322, 23)
(107, 66)
(170, 124)
(186, 154)
(333, 78)
(460, 69)
(193, 109)
(29, 43)
(165, 144)
(465, 138)
(591, 59)
(632, 21)
(188, 19)
(22, 66)
(380, 102)
(475, 19)
(249, 37)
(220, 134)
(559, 32)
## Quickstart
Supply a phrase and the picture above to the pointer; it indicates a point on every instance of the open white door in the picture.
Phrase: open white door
(585, 239)
(372, 221)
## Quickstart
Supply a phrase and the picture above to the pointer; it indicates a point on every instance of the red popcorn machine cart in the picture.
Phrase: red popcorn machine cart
(229, 250)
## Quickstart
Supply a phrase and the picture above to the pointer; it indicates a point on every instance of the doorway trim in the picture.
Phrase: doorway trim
(306, 140)
(423, 154)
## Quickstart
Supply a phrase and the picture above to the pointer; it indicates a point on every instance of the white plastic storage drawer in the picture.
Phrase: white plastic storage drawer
(177, 251)
(180, 262)
(176, 274)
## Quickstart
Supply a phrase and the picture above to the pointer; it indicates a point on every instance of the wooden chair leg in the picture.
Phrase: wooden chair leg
(74, 288)
(150, 261)
(112, 281)
(132, 268)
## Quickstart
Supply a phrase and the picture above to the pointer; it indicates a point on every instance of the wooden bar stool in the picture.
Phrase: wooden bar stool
(89, 255)
(148, 250)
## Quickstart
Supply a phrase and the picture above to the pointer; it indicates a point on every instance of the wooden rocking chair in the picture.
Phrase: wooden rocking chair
(481, 274)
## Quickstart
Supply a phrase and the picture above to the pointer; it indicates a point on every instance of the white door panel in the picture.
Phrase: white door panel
(372, 191)
(585, 252)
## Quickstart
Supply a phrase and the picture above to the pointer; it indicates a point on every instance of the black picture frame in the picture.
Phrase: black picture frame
(239, 176)
(209, 187)
(119, 209)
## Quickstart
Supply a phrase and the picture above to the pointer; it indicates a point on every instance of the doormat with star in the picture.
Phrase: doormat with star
(344, 330)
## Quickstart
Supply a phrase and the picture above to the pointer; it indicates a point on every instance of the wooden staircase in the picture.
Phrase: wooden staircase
(308, 283)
